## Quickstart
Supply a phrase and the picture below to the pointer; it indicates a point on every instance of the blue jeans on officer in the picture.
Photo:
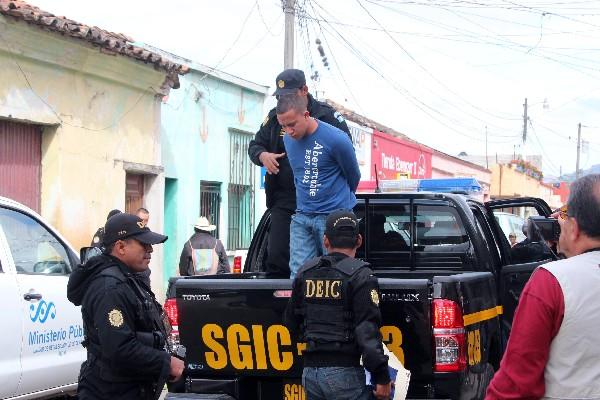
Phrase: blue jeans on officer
(336, 383)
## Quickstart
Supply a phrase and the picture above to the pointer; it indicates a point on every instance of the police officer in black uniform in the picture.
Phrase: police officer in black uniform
(267, 149)
(98, 238)
(123, 324)
(334, 308)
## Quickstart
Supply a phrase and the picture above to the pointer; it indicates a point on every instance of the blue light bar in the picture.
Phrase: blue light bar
(450, 185)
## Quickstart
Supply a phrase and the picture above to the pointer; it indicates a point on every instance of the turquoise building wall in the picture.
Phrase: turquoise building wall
(198, 122)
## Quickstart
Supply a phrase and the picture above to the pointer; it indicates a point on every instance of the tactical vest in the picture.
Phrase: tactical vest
(153, 333)
(328, 320)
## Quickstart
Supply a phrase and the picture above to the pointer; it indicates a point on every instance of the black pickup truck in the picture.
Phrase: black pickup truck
(448, 294)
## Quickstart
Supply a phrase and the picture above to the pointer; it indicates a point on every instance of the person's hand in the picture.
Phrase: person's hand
(177, 367)
(269, 160)
(382, 392)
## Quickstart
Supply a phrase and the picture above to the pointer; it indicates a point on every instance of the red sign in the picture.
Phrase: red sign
(398, 158)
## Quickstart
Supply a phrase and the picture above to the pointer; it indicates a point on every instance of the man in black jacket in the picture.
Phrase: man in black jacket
(334, 309)
(123, 325)
(267, 149)
(97, 240)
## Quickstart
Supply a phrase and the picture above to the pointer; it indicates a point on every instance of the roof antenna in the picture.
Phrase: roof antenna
(377, 188)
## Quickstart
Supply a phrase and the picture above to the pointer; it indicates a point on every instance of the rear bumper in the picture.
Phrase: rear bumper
(230, 387)
(196, 396)
(446, 387)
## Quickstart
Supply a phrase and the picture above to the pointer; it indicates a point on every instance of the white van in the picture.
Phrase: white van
(41, 350)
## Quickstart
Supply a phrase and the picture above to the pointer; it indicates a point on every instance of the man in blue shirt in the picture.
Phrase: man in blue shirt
(326, 175)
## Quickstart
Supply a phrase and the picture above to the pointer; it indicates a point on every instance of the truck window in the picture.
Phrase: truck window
(435, 233)
(439, 226)
(389, 228)
(33, 248)
(526, 244)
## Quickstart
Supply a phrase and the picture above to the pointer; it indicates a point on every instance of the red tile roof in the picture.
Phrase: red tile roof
(115, 43)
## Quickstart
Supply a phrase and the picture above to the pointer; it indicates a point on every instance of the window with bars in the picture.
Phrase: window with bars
(210, 203)
(240, 192)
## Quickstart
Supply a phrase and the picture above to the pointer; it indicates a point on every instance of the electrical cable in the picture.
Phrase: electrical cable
(426, 109)
(455, 122)
(503, 43)
(337, 66)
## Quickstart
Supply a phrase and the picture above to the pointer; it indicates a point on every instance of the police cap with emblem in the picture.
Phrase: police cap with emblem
(128, 226)
(341, 223)
(289, 81)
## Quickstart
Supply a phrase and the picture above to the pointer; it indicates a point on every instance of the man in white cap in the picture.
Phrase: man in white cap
(203, 254)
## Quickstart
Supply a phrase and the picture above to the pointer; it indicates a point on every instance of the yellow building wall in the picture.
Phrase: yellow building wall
(508, 182)
(100, 113)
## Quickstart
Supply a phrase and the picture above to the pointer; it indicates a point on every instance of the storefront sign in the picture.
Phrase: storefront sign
(397, 158)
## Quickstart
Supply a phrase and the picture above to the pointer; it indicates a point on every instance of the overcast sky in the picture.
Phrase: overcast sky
(439, 71)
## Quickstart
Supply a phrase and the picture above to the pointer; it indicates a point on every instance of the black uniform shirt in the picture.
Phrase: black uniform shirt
(280, 189)
(118, 327)
(364, 295)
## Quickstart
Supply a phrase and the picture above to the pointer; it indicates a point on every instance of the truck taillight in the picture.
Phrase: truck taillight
(448, 336)
(237, 264)
(172, 312)
(173, 315)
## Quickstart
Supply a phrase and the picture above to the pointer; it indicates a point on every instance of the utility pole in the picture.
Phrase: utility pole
(486, 150)
(578, 150)
(288, 44)
(525, 121)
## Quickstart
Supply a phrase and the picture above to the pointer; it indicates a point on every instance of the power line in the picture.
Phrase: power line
(56, 114)
(422, 67)
(556, 170)
(262, 18)
(235, 41)
(425, 108)
(337, 66)
(504, 43)
(441, 98)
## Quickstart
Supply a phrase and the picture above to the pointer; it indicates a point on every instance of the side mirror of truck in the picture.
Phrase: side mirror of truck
(88, 252)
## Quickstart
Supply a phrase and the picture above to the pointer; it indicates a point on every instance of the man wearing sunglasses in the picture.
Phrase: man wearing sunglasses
(552, 350)
(122, 321)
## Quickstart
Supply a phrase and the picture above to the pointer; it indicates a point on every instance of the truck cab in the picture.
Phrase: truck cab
(448, 293)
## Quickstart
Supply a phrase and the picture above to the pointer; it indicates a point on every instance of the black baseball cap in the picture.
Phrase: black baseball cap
(341, 223)
(128, 226)
(289, 81)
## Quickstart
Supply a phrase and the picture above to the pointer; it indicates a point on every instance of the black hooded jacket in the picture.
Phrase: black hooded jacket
(122, 332)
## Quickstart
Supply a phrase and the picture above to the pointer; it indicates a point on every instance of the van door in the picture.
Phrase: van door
(51, 325)
(10, 341)
(516, 268)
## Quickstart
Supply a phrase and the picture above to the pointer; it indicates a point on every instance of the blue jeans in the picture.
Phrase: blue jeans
(336, 383)
(306, 239)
